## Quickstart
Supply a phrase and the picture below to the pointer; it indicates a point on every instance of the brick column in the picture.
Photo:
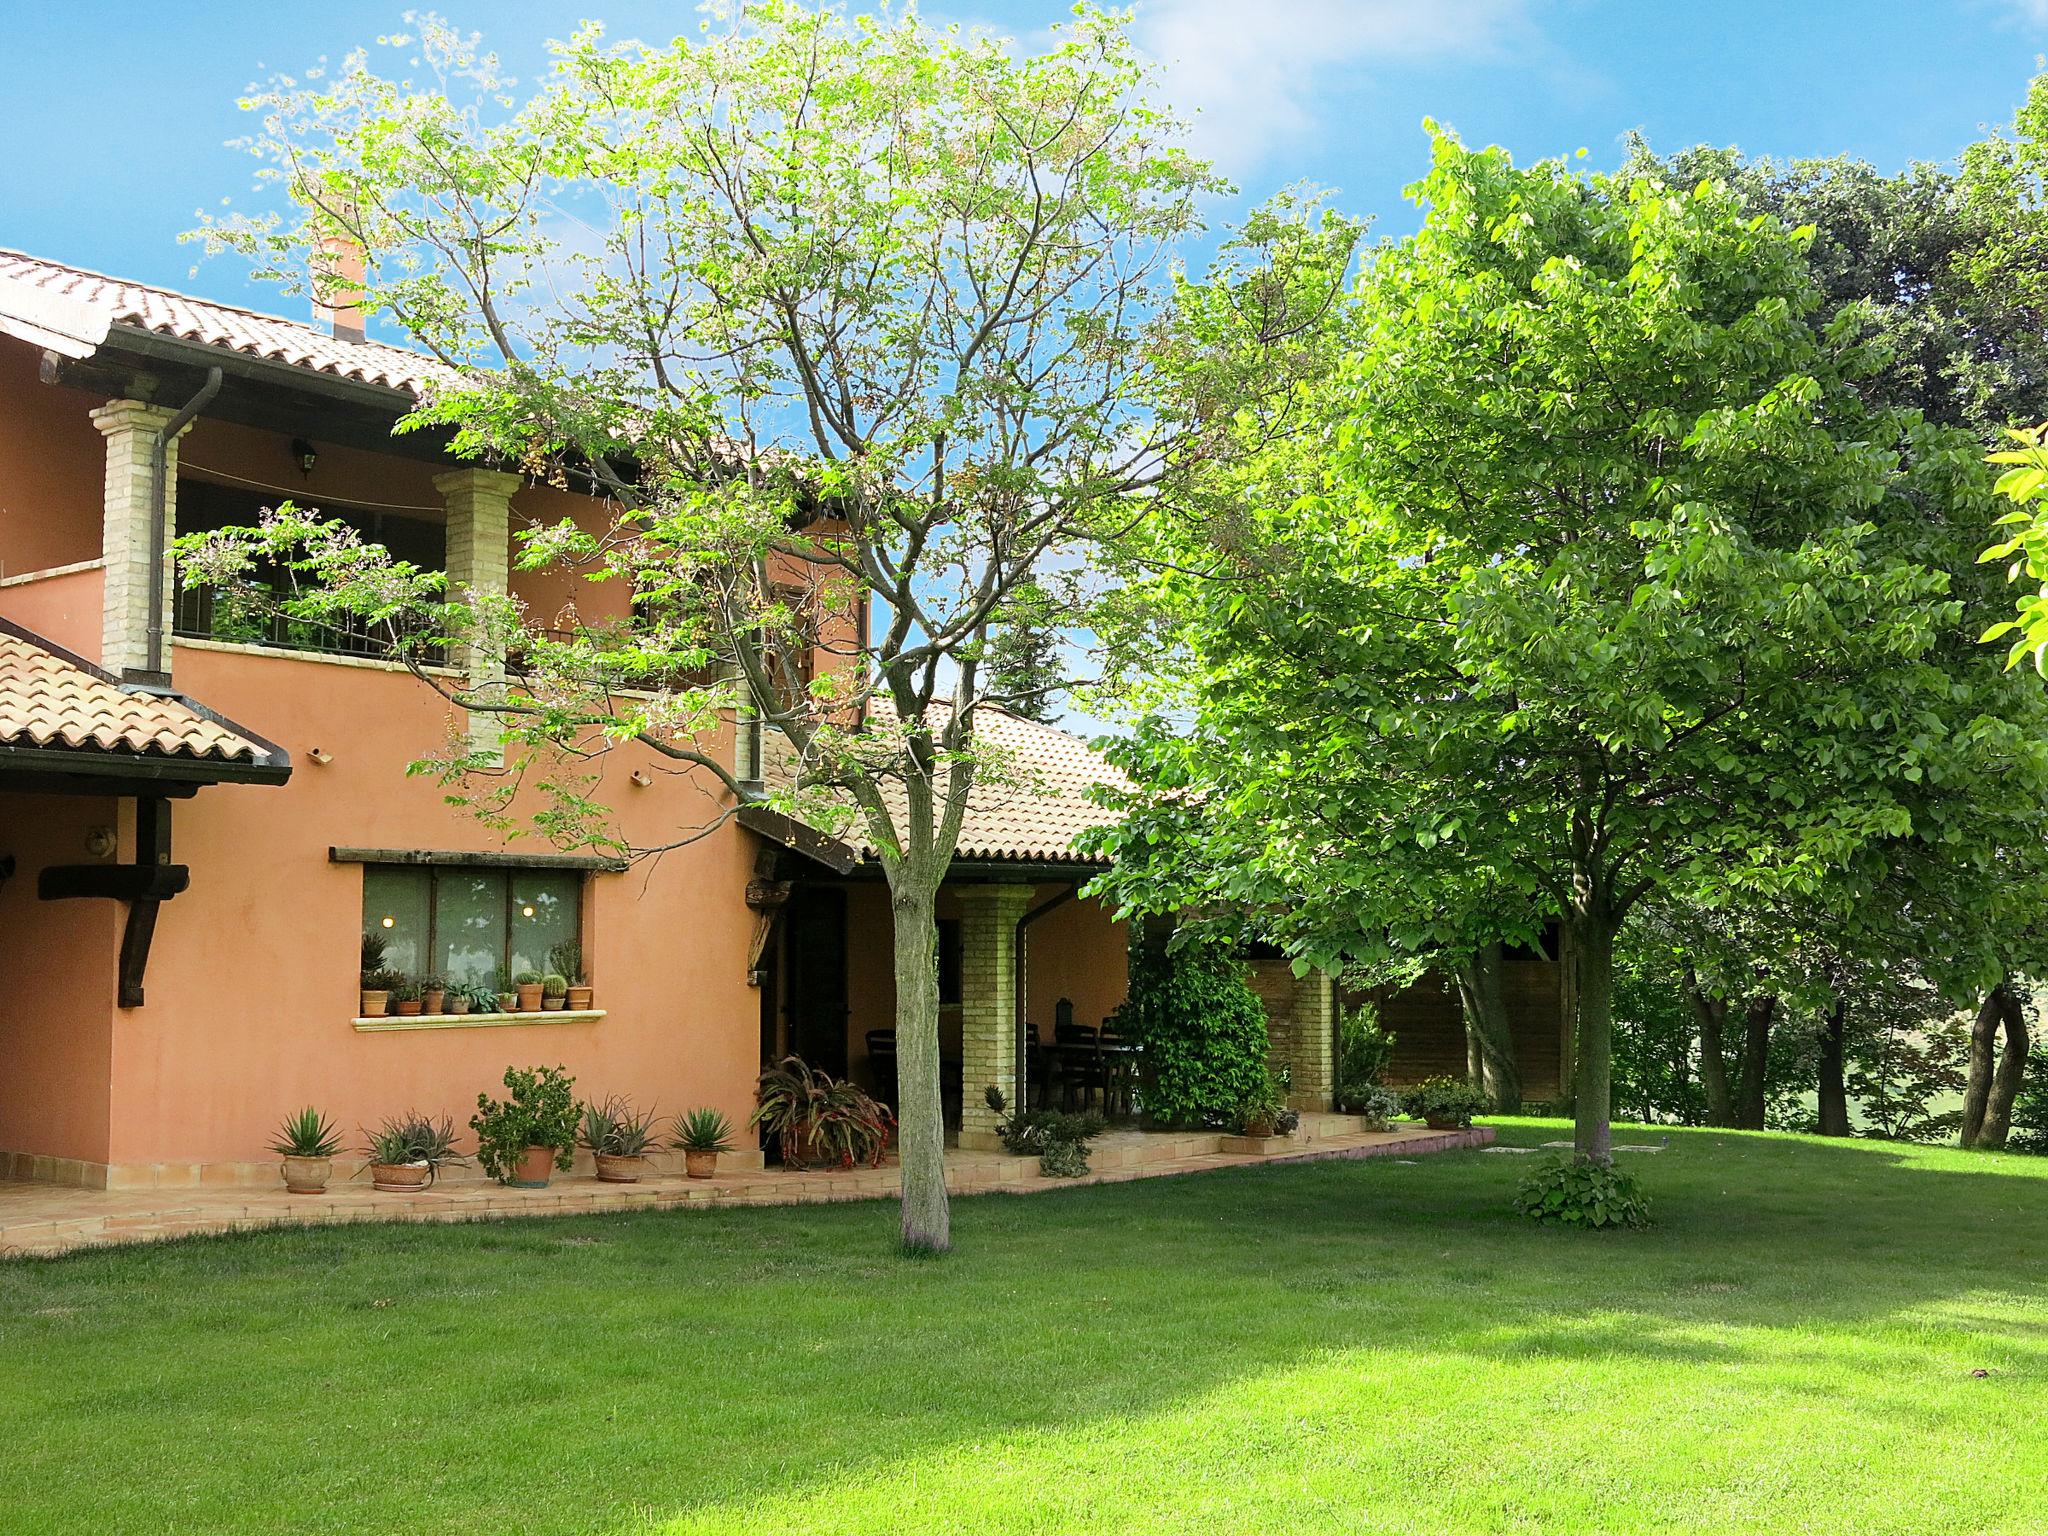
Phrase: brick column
(129, 427)
(479, 503)
(988, 1005)
(1311, 1061)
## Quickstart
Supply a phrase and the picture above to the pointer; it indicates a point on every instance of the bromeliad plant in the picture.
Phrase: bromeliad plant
(815, 1116)
(539, 1111)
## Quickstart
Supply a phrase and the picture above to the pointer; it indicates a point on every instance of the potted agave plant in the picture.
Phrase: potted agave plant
(700, 1135)
(567, 959)
(376, 981)
(307, 1142)
(527, 984)
(619, 1138)
(408, 1152)
(520, 1139)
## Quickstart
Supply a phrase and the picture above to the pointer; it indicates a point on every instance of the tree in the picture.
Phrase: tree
(826, 312)
(1995, 1075)
(1615, 599)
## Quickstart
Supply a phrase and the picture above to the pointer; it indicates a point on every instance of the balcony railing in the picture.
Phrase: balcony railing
(205, 613)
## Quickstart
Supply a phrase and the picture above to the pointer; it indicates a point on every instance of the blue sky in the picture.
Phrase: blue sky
(121, 110)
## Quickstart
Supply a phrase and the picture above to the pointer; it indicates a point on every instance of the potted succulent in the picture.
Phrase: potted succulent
(527, 985)
(376, 981)
(477, 998)
(458, 1001)
(433, 994)
(407, 1152)
(307, 1142)
(567, 958)
(554, 992)
(506, 997)
(405, 997)
(619, 1137)
(1445, 1103)
(521, 1138)
(700, 1135)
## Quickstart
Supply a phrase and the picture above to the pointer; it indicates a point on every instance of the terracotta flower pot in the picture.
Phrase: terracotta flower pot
(1259, 1127)
(536, 1165)
(307, 1175)
(401, 1178)
(407, 1010)
(553, 1004)
(616, 1168)
(374, 1004)
(431, 1002)
(579, 997)
(529, 998)
(1443, 1122)
(700, 1165)
(459, 1003)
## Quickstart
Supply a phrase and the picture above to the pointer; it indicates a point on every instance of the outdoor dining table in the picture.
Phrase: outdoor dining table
(1107, 1065)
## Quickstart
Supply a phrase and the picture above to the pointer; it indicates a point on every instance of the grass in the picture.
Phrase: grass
(1341, 1347)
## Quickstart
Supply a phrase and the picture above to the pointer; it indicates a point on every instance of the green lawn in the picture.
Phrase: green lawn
(1341, 1347)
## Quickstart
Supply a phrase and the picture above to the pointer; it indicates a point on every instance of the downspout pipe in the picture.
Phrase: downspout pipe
(159, 475)
(1058, 899)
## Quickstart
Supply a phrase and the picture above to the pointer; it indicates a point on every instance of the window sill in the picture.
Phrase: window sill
(394, 1022)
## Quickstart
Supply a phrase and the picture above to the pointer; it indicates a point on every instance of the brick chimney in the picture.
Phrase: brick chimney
(338, 286)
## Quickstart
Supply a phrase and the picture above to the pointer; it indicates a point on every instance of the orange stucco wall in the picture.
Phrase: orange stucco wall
(65, 607)
(52, 468)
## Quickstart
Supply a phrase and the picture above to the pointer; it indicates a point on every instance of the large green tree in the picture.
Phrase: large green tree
(825, 312)
(1592, 580)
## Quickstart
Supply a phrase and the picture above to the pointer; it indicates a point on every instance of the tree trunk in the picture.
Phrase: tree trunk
(1592, 1135)
(1833, 1085)
(1995, 1075)
(921, 1130)
(1711, 1013)
(1756, 1060)
(1490, 1046)
(1568, 1018)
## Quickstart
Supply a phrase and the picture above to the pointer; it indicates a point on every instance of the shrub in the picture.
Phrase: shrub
(541, 1111)
(1201, 1027)
(1063, 1159)
(1029, 1132)
(1579, 1192)
(1375, 1103)
(1445, 1098)
(1364, 1051)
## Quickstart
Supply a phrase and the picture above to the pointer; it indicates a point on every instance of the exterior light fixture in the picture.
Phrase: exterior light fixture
(390, 922)
(303, 452)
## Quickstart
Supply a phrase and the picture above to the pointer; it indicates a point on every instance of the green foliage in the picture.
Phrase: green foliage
(1032, 1131)
(566, 961)
(1582, 1192)
(1364, 1049)
(1656, 1079)
(553, 984)
(374, 945)
(703, 1129)
(815, 1116)
(413, 1138)
(1445, 1098)
(1063, 1159)
(1200, 1026)
(1261, 1112)
(617, 1129)
(306, 1134)
(539, 1110)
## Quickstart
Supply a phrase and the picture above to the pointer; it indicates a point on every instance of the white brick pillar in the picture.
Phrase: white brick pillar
(130, 426)
(1312, 1053)
(988, 1005)
(479, 503)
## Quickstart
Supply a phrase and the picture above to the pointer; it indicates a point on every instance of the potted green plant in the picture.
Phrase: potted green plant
(554, 992)
(700, 1135)
(521, 1138)
(307, 1142)
(433, 994)
(1376, 1106)
(476, 998)
(405, 997)
(505, 996)
(376, 981)
(814, 1115)
(567, 958)
(619, 1138)
(1445, 1103)
(1258, 1113)
(458, 1001)
(527, 985)
(408, 1152)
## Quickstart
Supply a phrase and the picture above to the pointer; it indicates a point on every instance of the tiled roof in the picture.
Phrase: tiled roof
(70, 309)
(51, 699)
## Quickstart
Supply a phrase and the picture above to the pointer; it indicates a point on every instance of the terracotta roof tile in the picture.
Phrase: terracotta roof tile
(50, 700)
(57, 302)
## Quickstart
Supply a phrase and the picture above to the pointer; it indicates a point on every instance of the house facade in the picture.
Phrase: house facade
(202, 814)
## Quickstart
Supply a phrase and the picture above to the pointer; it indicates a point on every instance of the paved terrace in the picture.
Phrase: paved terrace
(48, 1219)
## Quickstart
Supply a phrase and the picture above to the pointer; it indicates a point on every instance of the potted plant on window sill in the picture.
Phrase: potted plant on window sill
(405, 997)
(554, 992)
(619, 1138)
(407, 1152)
(433, 994)
(700, 1135)
(527, 985)
(376, 981)
(307, 1142)
(567, 959)
(522, 1138)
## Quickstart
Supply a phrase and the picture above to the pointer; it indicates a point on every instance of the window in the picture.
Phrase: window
(471, 926)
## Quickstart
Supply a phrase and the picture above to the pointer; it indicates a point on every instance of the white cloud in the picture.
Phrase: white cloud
(2034, 12)
(1252, 69)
